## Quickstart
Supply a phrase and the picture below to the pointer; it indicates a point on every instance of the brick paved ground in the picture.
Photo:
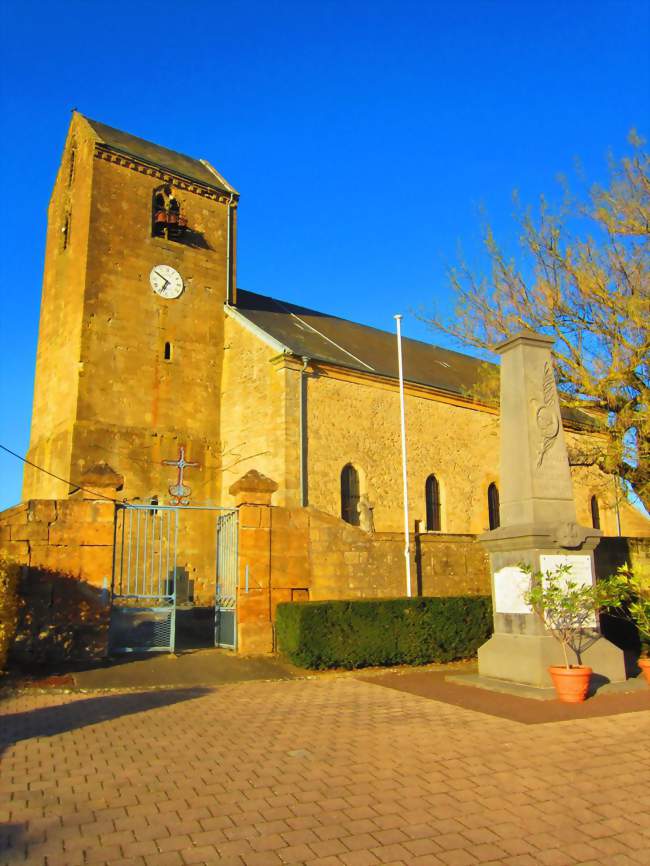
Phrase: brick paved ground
(333, 772)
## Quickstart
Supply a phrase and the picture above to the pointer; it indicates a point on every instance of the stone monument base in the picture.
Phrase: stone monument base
(521, 658)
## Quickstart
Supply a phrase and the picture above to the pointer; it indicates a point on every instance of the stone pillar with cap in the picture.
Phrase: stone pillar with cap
(100, 481)
(253, 494)
(538, 521)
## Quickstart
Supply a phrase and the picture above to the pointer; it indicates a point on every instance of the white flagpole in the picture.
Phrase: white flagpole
(407, 543)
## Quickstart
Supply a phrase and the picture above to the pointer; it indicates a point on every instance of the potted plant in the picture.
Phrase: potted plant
(634, 585)
(569, 610)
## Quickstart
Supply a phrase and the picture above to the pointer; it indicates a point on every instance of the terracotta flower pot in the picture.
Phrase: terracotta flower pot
(644, 664)
(571, 684)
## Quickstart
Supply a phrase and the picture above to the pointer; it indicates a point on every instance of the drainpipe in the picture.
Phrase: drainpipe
(303, 443)
(407, 543)
(229, 295)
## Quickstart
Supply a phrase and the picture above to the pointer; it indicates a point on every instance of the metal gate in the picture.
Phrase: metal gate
(144, 579)
(225, 605)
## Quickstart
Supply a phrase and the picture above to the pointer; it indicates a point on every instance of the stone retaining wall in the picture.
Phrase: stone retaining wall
(65, 548)
(285, 554)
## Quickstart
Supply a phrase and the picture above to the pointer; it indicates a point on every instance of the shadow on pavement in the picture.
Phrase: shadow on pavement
(49, 721)
(198, 667)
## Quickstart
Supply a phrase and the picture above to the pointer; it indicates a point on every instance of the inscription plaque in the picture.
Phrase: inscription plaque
(510, 584)
(580, 570)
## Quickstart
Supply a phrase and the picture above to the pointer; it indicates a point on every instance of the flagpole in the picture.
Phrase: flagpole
(407, 543)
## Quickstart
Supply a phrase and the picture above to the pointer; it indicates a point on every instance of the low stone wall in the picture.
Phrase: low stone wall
(296, 554)
(65, 550)
(613, 552)
(347, 562)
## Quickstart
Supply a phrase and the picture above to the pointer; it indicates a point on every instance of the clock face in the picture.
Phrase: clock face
(166, 282)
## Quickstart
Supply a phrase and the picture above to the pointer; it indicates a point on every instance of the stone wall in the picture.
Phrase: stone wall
(259, 415)
(356, 421)
(359, 423)
(347, 562)
(284, 554)
(296, 554)
(65, 548)
(354, 418)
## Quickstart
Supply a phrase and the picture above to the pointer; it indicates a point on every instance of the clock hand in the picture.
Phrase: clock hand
(163, 288)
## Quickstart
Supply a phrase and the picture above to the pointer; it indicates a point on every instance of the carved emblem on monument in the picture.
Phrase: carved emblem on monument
(180, 492)
(546, 416)
(569, 534)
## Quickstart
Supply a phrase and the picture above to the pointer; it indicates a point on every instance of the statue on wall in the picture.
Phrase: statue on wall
(365, 509)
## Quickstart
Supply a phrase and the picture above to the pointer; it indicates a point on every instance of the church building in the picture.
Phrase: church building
(146, 346)
(161, 380)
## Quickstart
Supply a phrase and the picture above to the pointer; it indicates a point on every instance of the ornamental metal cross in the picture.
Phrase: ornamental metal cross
(179, 492)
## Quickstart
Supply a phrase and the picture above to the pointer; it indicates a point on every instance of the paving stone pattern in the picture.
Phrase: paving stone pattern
(334, 772)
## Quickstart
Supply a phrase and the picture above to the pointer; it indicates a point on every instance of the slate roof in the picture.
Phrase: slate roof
(156, 155)
(322, 337)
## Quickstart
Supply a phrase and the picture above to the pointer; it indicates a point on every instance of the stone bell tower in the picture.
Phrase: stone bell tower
(140, 258)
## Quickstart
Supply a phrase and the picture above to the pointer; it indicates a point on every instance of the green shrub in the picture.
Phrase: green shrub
(373, 632)
(9, 573)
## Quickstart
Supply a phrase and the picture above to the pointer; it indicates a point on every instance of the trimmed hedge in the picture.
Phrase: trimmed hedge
(356, 634)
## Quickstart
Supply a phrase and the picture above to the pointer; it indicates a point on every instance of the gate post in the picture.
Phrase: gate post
(254, 602)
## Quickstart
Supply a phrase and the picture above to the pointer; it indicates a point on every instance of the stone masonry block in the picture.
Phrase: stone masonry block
(60, 560)
(81, 533)
(254, 553)
(254, 517)
(254, 638)
(14, 515)
(253, 606)
(15, 550)
(90, 564)
(85, 511)
(288, 544)
(29, 532)
(97, 565)
(281, 518)
(291, 573)
(42, 510)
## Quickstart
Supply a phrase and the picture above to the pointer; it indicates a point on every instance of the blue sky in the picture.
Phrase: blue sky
(364, 137)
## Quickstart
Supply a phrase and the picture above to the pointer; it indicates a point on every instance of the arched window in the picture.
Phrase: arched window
(432, 499)
(350, 495)
(595, 512)
(493, 506)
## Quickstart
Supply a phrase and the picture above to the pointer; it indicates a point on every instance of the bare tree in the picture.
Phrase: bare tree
(582, 278)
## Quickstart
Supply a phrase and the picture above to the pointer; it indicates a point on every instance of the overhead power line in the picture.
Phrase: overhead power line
(58, 477)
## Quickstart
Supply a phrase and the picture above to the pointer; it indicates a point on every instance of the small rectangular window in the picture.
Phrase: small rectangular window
(65, 231)
(71, 167)
(168, 351)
